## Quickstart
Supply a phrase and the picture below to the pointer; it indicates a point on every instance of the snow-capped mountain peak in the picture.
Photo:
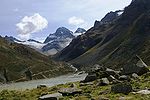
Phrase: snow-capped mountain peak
(79, 31)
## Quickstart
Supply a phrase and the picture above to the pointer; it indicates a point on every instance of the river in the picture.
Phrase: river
(48, 82)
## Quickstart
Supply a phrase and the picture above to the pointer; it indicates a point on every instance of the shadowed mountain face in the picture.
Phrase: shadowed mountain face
(20, 63)
(113, 44)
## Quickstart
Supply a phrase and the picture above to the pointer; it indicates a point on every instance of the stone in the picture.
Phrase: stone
(143, 92)
(85, 84)
(136, 66)
(103, 82)
(41, 86)
(54, 96)
(124, 88)
(98, 68)
(111, 78)
(124, 77)
(90, 78)
(70, 91)
(112, 72)
(135, 76)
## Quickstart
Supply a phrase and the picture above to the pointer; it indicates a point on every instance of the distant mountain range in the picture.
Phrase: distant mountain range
(53, 43)
(114, 41)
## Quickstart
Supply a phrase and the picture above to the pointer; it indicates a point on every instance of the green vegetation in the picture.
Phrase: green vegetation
(16, 59)
(89, 91)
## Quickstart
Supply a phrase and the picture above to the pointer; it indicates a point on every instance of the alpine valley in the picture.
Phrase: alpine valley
(111, 60)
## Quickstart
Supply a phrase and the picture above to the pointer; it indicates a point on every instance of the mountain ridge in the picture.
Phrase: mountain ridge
(118, 42)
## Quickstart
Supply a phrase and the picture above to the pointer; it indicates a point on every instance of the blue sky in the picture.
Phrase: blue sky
(68, 13)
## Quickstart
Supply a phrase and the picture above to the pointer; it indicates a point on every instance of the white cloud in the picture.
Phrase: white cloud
(31, 24)
(75, 21)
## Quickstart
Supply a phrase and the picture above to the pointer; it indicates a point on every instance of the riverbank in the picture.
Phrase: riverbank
(21, 86)
(89, 91)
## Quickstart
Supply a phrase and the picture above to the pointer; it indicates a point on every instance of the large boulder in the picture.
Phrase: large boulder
(97, 68)
(70, 91)
(103, 82)
(54, 96)
(136, 66)
(124, 88)
(90, 78)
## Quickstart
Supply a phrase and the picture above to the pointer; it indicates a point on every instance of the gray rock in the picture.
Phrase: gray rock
(136, 66)
(143, 92)
(90, 78)
(113, 72)
(104, 81)
(124, 88)
(124, 77)
(70, 91)
(54, 96)
(85, 84)
(98, 68)
(110, 71)
(111, 78)
(135, 76)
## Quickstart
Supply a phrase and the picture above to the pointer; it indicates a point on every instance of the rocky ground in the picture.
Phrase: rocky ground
(100, 84)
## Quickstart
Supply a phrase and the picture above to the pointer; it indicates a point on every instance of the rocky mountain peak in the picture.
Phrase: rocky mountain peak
(80, 30)
(111, 16)
(62, 31)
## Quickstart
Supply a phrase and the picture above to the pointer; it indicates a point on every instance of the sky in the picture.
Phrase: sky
(37, 19)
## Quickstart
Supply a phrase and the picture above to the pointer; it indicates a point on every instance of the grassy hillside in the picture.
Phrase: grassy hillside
(17, 59)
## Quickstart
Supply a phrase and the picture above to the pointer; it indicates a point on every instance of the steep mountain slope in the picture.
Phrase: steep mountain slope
(19, 63)
(92, 37)
(117, 43)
